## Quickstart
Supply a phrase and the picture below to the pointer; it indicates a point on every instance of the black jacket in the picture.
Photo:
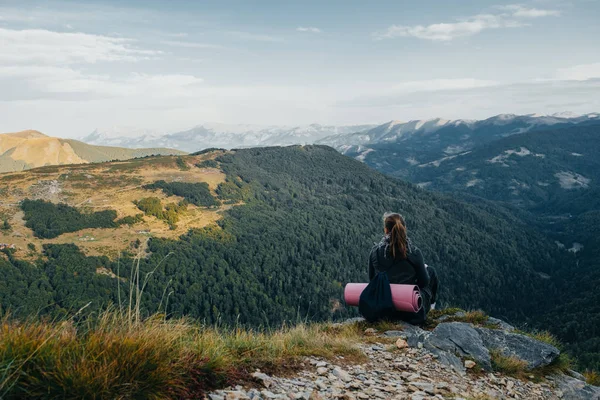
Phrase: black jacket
(399, 271)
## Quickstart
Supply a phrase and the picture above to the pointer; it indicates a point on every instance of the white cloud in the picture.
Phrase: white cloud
(310, 29)
(59, 48)
(520, 11)
(579, 72)
(511, 18)
(38, 82)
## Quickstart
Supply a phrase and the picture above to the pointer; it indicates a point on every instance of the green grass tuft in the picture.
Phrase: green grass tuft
(592, 377)
(511, 366)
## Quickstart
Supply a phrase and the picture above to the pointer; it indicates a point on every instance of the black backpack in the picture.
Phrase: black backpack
(375, 301)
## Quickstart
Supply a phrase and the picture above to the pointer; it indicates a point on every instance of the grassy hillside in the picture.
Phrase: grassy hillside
(293, 226)
(31, 149)
(80, 191)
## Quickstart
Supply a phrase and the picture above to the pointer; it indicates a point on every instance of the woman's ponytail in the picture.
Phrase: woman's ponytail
(394, 225)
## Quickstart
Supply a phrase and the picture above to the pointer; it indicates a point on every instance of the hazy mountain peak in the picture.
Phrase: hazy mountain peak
(27, 134)
(31, 149)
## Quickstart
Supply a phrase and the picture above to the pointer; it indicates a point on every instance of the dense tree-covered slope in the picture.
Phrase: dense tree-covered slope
(308, 220)
(303, 222)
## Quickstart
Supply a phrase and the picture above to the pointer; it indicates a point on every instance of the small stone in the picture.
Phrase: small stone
(355, 385)
(269, 395)
(414, 377)
(265, 379)
(470, 364)
(370, 332)
(236, 395)
(420, 345)
(315, 396)
(418, 396)
(341, 374)
(322, 371)
(401, 343)
(321, 364)
(322, 385)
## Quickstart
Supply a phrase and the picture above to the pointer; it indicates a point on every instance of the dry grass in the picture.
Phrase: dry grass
(592, 377)
(475, 317)
(512, 366)
(542, 336)
(115, 357)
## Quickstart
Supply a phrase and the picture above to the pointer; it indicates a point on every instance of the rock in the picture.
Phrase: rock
(236, 395)
(469, 364)
(450, 360)
(576, 375)
(418, 396)
(505, 326)
(461, 339)
(412, 334)
(265, 379)
(574, 389)
(341, 374)
(321, 364)
(315, 396)
(322, 371)
(401, 343)
(370, 332)
(533, 352)
(424, 386)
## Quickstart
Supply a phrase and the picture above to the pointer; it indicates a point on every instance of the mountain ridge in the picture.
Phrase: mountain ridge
(30, 149)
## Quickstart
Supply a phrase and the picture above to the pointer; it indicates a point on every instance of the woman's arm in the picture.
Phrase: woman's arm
(419, 264)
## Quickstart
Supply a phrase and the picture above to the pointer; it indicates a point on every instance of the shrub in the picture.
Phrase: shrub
(195, 193)
(49, 220)
(182, 164)
(592, 377)
(208, 164)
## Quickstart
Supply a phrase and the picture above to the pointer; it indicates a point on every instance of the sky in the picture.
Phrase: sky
(69, 67)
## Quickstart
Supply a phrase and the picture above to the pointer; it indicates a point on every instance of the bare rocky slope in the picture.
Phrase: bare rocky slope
(489, 359)
(30, 149)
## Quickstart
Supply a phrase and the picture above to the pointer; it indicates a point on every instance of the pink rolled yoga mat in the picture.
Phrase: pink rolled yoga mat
(405, 297)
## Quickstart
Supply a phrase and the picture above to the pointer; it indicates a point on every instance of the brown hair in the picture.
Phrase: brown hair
(395, 226)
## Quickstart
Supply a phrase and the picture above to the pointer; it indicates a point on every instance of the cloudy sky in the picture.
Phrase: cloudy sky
(69, 67)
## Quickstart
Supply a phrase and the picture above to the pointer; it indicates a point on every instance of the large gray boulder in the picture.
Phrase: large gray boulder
(533, 352)
(460, 339)
(575, 389)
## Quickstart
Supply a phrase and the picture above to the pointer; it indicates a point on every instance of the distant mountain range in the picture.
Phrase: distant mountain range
(31, 149)
(444, 136)
(428, 140)
(219, 135)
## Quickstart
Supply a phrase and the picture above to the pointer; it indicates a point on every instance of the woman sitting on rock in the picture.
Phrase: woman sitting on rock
(403, 262)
